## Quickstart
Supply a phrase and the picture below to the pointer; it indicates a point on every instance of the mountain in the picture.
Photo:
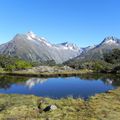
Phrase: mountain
(34, 81)
(29, 46)
(97, 51)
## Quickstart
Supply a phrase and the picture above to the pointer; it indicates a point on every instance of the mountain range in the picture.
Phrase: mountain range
(31, 47)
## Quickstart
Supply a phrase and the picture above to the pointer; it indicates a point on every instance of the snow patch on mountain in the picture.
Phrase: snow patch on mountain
(111, 40)
(68, 46)
(31, 35)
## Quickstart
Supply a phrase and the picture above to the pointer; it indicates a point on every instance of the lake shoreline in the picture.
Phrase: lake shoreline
(100, 106)
(48, 74)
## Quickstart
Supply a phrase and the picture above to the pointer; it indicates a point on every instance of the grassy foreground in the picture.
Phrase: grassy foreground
(104, 106)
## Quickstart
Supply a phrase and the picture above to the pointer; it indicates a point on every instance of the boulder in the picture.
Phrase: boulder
(50, 108)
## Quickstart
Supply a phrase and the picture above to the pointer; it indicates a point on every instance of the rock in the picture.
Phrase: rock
(50, 108)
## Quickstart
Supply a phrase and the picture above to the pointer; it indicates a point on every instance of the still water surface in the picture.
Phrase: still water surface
(80, 86)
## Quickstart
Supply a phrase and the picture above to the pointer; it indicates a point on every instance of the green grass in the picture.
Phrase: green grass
(104, 106)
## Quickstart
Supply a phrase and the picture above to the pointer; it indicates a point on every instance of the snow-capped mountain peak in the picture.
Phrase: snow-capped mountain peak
(69, 46)
(111, 40)
(31, 35)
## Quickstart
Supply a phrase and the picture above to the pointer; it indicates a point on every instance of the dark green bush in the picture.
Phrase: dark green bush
(13, 63)
(112, 57)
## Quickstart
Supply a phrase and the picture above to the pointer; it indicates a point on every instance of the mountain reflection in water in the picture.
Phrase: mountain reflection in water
(33, 81)
(76, 86)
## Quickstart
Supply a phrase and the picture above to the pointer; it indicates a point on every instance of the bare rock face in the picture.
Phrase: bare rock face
(31, 47)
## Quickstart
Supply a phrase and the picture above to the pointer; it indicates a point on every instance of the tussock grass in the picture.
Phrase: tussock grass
(47, 74)
(104, 106)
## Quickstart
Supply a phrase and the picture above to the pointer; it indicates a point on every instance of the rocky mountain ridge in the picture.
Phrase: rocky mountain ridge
(31, 47)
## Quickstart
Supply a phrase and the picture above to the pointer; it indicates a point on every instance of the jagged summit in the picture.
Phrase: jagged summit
(111, 40)
(64, 43)
(69, 46)
(110, 37)
(31, 35)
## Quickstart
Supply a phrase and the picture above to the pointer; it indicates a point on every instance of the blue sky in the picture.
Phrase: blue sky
(83, 22)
